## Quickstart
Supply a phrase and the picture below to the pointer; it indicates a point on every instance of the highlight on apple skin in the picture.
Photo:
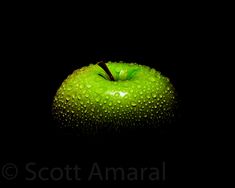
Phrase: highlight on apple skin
(137, 97)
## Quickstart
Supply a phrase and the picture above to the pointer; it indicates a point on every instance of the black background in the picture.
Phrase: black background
(41, 51)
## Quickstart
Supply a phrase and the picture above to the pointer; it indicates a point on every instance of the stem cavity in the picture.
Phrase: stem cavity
(105, 68)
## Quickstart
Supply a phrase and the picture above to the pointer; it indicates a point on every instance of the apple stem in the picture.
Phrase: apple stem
(105, 68)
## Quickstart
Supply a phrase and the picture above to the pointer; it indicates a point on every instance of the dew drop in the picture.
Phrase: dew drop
(110, 104)
(97, 99)
(88, 85)
(86, 95)
(133, 104)
(152, 79)
(119, 101)
(154, 95)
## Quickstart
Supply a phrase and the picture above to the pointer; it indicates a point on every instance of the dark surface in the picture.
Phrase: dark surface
(37, 58)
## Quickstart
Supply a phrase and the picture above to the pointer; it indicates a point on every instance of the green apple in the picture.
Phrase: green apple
(114, 96)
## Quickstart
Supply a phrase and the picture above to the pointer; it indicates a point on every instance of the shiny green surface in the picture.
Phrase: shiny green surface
(139, 96)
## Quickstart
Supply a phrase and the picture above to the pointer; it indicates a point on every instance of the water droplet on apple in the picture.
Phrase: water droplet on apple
(154, 95)
(97, 99)
(88, 85)
(152, 79)
(133, 104)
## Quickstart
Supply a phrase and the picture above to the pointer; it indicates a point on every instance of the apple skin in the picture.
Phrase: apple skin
(140, 97)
